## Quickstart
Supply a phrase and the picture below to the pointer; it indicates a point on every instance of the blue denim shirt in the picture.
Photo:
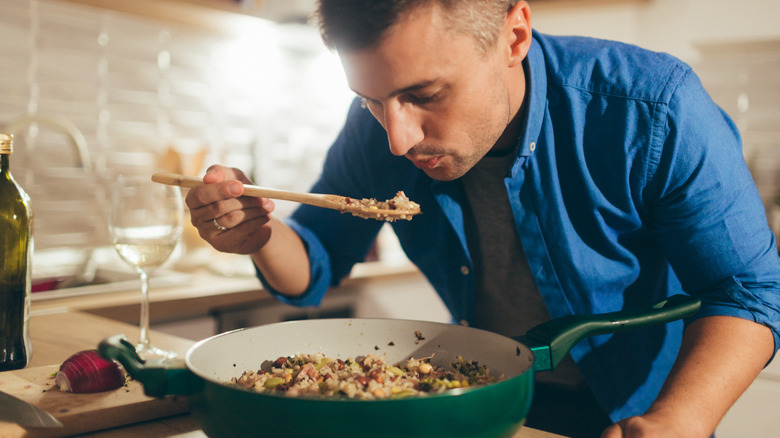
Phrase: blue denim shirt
(629, 186)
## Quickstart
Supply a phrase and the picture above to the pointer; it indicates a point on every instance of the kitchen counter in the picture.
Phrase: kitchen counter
(57, 335)
(204, 293)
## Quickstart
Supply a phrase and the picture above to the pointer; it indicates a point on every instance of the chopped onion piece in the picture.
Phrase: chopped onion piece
(86, 371)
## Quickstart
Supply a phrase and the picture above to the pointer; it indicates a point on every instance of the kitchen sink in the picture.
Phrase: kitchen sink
(67, 272)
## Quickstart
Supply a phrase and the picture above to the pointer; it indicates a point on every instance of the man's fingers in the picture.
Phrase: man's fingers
(211, 193)
(217, 173)
(236, 216)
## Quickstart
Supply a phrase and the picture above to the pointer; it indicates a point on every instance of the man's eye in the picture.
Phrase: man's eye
(367, 103)
(421, 100)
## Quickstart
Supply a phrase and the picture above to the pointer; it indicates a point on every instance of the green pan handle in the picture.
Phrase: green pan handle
(160, 378)
(552, 340)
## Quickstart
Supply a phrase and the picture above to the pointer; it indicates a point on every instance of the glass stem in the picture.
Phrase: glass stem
(144, 310)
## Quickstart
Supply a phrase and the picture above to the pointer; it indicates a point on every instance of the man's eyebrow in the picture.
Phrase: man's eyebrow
(413, 87)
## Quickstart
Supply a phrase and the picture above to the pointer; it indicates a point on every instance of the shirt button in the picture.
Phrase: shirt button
(532, 146)
(464, 270)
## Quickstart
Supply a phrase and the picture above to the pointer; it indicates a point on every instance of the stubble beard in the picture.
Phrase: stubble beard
(482, 139)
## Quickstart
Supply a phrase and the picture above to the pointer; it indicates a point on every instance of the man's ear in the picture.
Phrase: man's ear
(517, 29)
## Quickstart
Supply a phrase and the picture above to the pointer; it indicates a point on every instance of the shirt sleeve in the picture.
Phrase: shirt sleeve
(319, 266)
(334, 241)
(708, 215)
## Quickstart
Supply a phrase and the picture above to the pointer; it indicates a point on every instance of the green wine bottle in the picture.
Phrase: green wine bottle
(16, 248)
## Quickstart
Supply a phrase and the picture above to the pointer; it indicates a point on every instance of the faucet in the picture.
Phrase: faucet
(85, 271)
(76, 137)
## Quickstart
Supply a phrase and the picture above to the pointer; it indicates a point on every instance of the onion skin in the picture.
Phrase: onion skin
(86, 372)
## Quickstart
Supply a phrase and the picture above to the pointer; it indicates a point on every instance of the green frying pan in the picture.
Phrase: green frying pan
(495, 410)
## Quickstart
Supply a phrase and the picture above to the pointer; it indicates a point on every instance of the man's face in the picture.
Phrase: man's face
(443, 103)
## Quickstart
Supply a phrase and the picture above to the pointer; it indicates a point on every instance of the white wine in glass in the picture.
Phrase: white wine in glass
(145, 222)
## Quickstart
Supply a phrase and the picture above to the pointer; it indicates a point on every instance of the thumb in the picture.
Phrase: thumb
(614, 431)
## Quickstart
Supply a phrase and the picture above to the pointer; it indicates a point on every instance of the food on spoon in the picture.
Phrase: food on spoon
(86, 371)
(366, 377)
(370, 208)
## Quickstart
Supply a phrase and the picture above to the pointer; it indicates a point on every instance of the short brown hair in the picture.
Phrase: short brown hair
(347, 25)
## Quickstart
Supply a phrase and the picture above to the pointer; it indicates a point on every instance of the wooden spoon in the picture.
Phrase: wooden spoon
(365, 208)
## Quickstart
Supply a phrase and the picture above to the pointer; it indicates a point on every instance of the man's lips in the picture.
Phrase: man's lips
(426, 163)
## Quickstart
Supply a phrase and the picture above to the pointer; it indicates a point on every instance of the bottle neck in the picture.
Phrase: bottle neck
(5, 163)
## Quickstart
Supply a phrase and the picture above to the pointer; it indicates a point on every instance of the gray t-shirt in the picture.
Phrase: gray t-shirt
(507, 300)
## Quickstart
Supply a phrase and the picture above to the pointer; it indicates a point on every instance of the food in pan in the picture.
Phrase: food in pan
(366, 377)
(370, 208)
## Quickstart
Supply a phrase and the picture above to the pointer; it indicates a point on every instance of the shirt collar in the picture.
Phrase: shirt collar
(536, 96)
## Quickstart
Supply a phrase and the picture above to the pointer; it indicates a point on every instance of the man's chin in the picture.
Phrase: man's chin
(443, 174)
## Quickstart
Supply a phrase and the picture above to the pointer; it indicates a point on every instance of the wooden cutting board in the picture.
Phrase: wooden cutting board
(80, 413)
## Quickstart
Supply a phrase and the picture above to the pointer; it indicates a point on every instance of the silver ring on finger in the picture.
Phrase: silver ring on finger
(219, 227)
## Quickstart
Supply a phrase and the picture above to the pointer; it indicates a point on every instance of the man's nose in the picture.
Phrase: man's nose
(404, 129)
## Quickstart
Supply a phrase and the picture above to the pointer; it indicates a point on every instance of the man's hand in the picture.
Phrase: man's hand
(231, 222)
(643, 426)
(224, 218)
(719, 358)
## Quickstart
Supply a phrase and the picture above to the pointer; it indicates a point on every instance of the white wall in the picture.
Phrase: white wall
(672, 26)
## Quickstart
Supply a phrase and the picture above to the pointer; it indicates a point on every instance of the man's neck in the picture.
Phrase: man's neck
(508, 140)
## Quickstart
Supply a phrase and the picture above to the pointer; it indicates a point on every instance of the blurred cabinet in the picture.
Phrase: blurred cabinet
(742, 78)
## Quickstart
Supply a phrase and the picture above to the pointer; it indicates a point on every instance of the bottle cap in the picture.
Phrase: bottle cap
(6, 143)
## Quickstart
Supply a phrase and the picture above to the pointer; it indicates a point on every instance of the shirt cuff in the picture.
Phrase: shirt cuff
(733, 298)
(319, 265)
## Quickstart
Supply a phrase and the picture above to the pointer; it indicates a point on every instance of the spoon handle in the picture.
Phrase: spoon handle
(318, 200)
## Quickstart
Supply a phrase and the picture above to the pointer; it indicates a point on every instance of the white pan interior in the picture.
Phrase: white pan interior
(227, 355)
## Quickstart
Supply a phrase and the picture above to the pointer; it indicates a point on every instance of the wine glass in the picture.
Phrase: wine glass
(145, 222)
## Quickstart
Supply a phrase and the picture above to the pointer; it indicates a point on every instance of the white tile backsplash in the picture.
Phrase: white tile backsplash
(136, 86)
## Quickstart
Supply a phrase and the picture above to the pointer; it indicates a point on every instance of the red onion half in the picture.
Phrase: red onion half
(86, 371)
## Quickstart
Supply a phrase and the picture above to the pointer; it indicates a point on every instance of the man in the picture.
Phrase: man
(556, 176)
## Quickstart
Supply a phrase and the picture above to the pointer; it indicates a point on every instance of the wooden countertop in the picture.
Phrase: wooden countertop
(57, 335)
